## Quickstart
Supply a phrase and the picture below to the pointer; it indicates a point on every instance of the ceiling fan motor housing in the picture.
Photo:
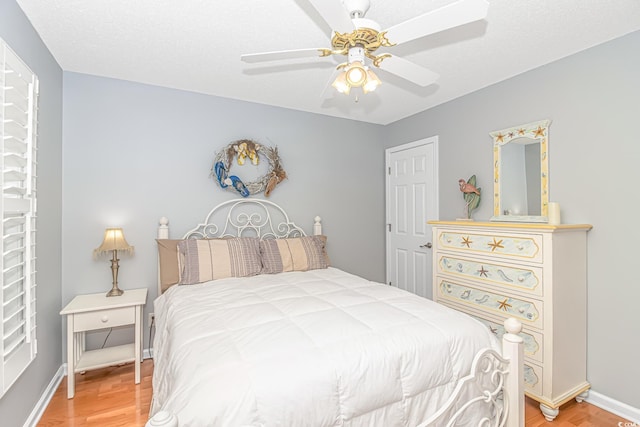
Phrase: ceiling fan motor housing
(366, 34)
(356, 53)
(356, 8)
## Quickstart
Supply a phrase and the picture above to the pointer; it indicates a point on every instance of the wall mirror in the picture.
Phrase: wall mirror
(521, 173)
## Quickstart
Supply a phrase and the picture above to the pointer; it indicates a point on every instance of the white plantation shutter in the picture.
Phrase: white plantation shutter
(18, 126)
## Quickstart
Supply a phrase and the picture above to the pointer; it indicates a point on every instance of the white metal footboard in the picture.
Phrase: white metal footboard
(504, 397)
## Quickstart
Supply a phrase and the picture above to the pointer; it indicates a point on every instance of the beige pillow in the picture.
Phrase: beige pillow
(168, 260)
(203, 260)
(294, 254)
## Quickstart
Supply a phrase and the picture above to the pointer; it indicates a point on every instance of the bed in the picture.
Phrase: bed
(295, 342)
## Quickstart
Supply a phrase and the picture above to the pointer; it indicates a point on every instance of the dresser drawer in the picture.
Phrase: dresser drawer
(508, 276)
(528, 310)
(103, 319)
(532, 348)
(533, 379)
(532, 339)
(502, 245)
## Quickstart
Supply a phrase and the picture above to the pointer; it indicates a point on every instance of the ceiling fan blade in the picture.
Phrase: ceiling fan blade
(455, 14)
(409, 71)
(280, 55)
(334, 13)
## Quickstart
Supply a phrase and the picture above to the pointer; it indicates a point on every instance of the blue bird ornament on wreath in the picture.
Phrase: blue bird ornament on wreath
(243, 149)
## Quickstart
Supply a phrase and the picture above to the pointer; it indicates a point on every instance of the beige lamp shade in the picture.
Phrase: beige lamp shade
(113, 241)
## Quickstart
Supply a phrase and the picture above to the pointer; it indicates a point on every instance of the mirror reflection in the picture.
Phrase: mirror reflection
(521, 173)
(520, 184)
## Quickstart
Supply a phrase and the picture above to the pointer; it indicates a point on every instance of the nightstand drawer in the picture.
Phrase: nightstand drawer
(104, 319)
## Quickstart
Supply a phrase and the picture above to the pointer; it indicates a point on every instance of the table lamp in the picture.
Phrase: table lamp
(114, 241)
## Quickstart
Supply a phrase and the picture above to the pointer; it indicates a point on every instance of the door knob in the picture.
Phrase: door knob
(426, 245)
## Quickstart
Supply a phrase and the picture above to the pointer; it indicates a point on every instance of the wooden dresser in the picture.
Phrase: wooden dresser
(536, 273)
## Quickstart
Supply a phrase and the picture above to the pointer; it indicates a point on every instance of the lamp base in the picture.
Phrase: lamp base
(115, 292)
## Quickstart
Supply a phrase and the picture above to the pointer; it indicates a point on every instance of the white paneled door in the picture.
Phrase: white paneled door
(411, 201)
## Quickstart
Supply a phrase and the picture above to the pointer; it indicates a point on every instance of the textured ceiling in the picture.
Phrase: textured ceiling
(195, 45)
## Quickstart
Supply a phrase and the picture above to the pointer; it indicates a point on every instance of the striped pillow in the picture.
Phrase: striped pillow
(295, 254)
(203, 260)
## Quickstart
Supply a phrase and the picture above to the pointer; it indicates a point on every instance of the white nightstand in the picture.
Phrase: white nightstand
(97, 311)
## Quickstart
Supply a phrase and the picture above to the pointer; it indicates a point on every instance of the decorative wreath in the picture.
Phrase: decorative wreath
(243, 149)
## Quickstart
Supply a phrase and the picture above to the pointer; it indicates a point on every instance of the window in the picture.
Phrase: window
(18, 126)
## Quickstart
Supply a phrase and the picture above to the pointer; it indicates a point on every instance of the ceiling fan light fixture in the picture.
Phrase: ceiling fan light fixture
(356, 74)
(372, 82)
(341, 84)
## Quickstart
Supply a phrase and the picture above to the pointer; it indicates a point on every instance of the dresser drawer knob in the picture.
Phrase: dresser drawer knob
(520, 279)
(520, 247)
(104, 319)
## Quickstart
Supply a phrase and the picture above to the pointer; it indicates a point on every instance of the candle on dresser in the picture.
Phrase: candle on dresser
(554, 213)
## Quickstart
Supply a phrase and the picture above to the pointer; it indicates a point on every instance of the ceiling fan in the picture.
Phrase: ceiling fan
(357, 38)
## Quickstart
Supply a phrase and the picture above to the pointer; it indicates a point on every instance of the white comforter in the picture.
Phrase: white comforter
(316, 348)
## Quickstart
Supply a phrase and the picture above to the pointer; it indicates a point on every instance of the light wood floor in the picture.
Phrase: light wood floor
(108, 398)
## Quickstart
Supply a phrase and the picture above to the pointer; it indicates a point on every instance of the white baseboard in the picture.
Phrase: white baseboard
(45, 398)
(615, 407)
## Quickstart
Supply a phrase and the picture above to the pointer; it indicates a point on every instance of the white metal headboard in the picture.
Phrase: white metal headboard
(242, 217)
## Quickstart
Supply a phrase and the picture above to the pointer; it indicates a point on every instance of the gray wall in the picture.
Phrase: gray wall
(592, 99)
(134, 153)
(15, 29)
